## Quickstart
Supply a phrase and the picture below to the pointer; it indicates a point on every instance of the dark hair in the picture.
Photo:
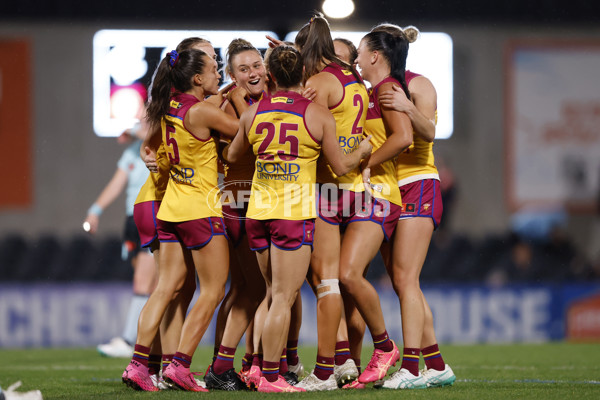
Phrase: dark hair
(286, 65)
(410, 33)
(236, 47)
(173, 74)
(315, 43)
(394, 49)
(351, 49)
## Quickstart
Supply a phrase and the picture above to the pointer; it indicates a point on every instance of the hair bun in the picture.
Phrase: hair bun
(411, 33)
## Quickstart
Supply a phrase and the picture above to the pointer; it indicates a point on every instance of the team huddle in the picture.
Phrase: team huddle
(320, 174)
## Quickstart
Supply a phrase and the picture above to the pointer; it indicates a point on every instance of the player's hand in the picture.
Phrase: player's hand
(149, 159)
(217, 99)
(309, 93)
(274, 42)
(366, 178)
(365, 147)
(238, 92)
(90, 225)
(395, 99)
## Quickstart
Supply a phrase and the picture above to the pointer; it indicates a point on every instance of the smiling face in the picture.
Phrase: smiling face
(248, 72)
(363, 60)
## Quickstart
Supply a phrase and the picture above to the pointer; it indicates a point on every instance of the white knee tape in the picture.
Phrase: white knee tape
(328, 286)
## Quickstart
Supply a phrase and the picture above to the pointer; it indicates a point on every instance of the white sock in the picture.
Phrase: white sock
(135, 308)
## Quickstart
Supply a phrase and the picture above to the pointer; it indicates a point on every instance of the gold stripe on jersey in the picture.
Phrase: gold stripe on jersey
(350, 115)
(284, 182)
(192, 191)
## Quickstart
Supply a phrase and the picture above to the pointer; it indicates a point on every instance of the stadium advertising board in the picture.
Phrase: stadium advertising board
(52, 315)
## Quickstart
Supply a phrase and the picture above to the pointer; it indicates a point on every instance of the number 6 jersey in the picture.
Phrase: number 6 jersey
(283, 186)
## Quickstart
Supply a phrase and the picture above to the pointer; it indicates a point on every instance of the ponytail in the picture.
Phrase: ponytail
(173, 74)
(394, 48)
(315, 43)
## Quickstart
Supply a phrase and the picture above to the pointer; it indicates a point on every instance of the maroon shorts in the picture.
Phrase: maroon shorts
(422, 199)
(144, 215)
(337, 206)
(235, 222)
(192, 234)
(381, 212)
(282, 233)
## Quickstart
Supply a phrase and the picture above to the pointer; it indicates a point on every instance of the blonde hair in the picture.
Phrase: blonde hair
(411, 33)
(236, 47)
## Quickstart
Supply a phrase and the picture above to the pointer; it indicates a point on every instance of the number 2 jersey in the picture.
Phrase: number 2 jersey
(350, 116)
(192, 191)
(283, 186)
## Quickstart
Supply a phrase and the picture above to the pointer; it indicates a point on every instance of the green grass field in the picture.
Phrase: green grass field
(515, 371)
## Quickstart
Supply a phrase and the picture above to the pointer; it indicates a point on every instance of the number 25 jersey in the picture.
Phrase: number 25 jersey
(283, 186)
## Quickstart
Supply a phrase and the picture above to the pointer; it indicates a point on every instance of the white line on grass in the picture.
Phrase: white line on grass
(545, 381)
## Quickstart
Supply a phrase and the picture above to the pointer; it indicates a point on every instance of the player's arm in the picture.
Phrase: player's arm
(421, 110)
(320, 96)
(399, 136)
(150, 146)
(238, 146)
(109, 194)
(205, 117)
(340, 163)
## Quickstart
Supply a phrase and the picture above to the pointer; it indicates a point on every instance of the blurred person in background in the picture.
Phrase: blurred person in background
(130, 175)
(448, 188)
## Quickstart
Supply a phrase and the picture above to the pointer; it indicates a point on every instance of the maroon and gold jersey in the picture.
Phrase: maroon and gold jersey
(192, 191)
(243, 169)
(417, 161)
(155, 186)
(383, 177)
(283, 186)
(238, 175)
(350, 116)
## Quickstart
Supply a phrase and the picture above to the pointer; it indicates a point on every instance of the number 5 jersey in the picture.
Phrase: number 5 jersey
(192, 191)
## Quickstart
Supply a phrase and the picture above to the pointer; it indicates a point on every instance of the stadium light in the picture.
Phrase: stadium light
(338, 8)
(430, 55)
(124, 61)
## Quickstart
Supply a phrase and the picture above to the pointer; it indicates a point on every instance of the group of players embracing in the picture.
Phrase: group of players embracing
(335, 173)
